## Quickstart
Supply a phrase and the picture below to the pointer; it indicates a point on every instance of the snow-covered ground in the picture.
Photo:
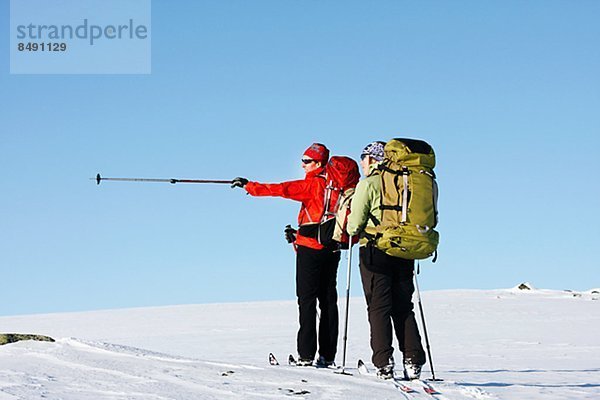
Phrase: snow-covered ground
(498, 344)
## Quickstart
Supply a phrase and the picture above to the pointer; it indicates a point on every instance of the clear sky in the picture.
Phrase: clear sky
(507, 93)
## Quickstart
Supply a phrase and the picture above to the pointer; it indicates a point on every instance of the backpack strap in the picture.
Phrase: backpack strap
(374, 220)
(337, 201)
(326, 200)
(405, 173)
(307, 214)
(371, 237)
(329, 188)
(384, 167)
(394, 208)
(326, 197)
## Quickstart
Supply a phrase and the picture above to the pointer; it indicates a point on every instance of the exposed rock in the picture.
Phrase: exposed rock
(6, 338)
(525, 286)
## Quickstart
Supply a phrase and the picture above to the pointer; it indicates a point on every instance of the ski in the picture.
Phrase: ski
(400, 385)
(427, 388)
(405, 389)
(293, 362)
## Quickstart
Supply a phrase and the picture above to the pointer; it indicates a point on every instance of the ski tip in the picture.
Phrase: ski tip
(362, 368)
(272, 359)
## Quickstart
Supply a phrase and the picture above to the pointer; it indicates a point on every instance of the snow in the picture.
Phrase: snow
(494, 344)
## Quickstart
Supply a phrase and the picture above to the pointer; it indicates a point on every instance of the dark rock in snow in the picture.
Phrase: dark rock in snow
(6, 338)
(525, 286)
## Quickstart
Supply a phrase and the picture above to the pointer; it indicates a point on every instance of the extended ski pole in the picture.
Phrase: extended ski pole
(424, 325)
(343, 371)
(99, 178)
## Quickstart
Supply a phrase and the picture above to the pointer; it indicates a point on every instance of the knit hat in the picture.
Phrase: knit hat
(373, 150)
(318, 152)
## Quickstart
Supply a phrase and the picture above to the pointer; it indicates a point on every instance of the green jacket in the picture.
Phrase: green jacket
(365, 205)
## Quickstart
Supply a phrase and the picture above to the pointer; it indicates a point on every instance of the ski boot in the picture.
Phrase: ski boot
(322, 362)
(387, 371)
(412, 371)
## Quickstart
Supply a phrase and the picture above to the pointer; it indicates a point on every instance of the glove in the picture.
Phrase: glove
(290, 234)
(239, 182)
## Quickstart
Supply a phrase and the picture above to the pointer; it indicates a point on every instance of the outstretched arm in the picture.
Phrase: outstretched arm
(295, 190)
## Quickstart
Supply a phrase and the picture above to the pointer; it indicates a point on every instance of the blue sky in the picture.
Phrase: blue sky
(507, 92)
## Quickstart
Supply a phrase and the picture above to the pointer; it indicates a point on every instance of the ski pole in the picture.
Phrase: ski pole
(343, 371)
(416, 271)
(99, 178)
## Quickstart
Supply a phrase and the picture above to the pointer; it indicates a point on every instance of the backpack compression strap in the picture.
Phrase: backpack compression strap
(404, 193)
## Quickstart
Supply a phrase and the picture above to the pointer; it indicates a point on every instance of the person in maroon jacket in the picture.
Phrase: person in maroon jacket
(316, 265)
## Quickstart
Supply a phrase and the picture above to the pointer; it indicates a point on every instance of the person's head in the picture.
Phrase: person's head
(315, 157)
(371, 154)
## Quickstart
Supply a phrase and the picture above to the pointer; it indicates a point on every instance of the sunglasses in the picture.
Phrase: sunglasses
(307, 160)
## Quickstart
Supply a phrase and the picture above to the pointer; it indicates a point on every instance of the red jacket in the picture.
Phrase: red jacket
(310, 191)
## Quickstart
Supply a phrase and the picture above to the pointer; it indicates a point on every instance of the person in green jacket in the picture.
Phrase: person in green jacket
(387, 281)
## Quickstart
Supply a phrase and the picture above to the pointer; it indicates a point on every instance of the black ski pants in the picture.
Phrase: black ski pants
(388, 286)
(316, 280)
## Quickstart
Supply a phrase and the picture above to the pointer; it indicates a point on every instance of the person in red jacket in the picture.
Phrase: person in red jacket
(316, 265)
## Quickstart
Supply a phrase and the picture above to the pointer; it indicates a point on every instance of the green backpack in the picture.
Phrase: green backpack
(408, 201)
